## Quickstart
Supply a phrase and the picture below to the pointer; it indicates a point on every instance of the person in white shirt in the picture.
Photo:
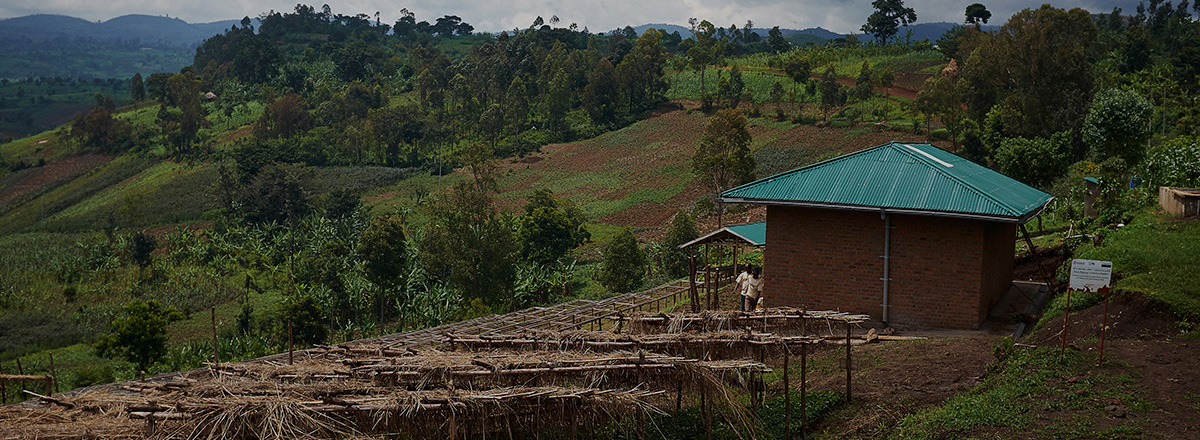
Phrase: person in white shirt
(752, 290)
(739, 284)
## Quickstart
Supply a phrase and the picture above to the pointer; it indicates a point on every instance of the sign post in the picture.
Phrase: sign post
(1088, 276)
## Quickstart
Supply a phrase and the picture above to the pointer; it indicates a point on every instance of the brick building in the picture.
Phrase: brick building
(907, 233)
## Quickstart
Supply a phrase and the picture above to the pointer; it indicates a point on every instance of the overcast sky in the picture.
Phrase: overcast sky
(841, 16)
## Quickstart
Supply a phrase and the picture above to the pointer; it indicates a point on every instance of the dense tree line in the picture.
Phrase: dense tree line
(1057, 87)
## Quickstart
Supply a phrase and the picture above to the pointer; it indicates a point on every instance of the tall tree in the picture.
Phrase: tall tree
(1052, 90)
(723, 159)
(884, 23)
(978, 14)
(137, 90)
(797, 67)
(776, 41)
(383, 251)
(832, 94)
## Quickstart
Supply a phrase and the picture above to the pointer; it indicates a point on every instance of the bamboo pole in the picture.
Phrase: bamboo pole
(52, 372)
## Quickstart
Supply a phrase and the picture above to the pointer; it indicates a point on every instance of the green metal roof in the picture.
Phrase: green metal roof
(898, 177)
(754, 234)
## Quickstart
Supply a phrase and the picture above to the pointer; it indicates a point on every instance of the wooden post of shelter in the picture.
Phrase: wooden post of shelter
(707, 278)
(3, 389)
(693, 292)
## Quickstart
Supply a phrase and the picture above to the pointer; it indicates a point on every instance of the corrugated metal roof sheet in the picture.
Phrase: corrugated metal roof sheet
(754, 234)
(911, 177)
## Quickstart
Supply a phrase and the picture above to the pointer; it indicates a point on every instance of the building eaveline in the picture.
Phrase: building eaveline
(907, 233)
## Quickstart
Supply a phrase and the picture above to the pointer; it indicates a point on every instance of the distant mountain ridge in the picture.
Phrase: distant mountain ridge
(149, 30)
(921, 31)
(687, 33)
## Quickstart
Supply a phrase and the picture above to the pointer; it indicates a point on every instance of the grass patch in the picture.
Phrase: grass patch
(1156, 256)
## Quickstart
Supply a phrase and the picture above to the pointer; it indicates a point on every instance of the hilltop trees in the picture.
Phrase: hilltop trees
(884, 23)
(978, 14)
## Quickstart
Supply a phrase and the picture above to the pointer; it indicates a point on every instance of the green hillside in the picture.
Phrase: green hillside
(360, 178)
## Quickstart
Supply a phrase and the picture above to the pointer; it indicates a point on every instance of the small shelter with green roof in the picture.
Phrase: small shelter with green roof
(908, 233)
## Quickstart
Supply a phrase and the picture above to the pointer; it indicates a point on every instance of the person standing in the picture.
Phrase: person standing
(739, 285)
(752, 292)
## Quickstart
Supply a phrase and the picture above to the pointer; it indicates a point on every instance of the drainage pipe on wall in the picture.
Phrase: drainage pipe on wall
(887, 260)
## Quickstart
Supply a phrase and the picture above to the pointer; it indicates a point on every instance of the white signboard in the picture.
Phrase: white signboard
(1090, 275)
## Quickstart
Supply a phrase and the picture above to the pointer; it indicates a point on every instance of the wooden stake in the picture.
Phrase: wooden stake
(849, 366)
(641, 415)
(216, 353)
(57, 375)
(1103, 327)
(291, 348)
(1066, 322)
(787, 397)
(803, 390)
(21, 371)
(678, 395)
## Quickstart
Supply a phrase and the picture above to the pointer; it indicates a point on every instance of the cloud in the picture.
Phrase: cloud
(599, 16)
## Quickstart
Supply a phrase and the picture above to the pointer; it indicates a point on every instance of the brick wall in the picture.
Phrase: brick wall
(945, 272)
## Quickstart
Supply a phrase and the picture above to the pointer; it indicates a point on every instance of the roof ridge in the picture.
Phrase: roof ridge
(942, 172)
(810, 166)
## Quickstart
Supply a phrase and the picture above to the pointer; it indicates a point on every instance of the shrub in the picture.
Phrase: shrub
(624, 265)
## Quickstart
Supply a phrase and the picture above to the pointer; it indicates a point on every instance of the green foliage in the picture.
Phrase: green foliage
(307, 319)
(469, 246)
(550, 227)
(141, 335)
(977, 14)
(382, 249)
(1116, 126)
(723, 158)
(1174, 163)
(884, 23)
(832, 94)
(682, 230)
(141, 247)
(1036, 162)
(624, 265)
(1051, 98)
(1155, 257)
